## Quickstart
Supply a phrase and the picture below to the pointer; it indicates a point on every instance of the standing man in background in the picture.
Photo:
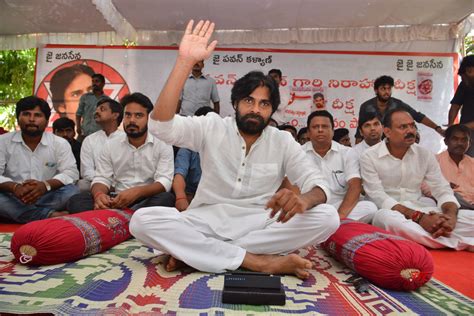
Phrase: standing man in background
(198, 91)
(85, 121)
(464, 99)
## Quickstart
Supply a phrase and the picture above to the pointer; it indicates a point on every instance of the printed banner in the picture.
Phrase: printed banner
(341, 80)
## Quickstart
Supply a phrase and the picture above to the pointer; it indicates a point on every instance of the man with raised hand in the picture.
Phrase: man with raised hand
(237, 218)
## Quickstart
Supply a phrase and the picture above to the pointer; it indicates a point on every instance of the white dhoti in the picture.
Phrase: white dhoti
(462, 237)
(363, 212)
(208, 239)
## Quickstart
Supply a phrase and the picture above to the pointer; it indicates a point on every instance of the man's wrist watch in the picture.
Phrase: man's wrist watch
(437, 128)
(48, 186)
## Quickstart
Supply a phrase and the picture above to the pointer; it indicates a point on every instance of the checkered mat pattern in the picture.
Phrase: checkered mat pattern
(130, 279)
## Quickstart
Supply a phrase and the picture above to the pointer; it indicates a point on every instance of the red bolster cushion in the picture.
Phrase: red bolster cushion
(386, 260)
(69, 238)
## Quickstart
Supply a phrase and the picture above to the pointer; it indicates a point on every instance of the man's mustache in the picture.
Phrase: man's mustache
(131, 125)
(252, 116)
(410, 135)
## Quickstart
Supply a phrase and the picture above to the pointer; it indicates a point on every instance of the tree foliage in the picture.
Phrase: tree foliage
(469, 45)
(17, 69)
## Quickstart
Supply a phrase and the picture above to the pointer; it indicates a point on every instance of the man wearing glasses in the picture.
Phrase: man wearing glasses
(340, 166)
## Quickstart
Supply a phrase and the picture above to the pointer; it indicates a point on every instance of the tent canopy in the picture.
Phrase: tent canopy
(32, 23)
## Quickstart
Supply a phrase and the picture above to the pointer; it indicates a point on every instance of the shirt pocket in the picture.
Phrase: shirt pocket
(339, 183)
(263, 177)
(50, 164)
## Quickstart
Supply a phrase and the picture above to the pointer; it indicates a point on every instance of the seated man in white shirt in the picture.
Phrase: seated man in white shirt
(37, 168)
(371, 130)
(236, 219)
(108, 115)
(139, 165)
(340, 167)
(393, 172)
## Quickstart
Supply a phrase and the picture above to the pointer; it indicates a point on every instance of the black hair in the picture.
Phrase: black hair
(276, 71)
(203, 111)
(383, 80)
(368, 116)
(457, 128)
(139, 98)
(320, 113)
(387, 120)
(62, 79)
(62, 123)
(286, 127)
(244, 86)
(467, 61)
(318, 95)
(302, 131)
(115, 107)
(340, 133)
(100, 77)
(29, 103)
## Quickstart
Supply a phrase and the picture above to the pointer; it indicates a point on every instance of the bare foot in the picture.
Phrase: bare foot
(58, 214)
(174, 264)
(274, 264)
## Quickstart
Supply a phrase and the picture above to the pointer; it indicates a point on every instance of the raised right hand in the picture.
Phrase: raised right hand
(194, 44)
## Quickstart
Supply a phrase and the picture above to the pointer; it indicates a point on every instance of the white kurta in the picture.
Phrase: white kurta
(232, 194)
(231, 177)
(389, 181)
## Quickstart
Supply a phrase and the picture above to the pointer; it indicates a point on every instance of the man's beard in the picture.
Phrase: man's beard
(248, 127)
(382, 99)
(136, 134)
(32, 133)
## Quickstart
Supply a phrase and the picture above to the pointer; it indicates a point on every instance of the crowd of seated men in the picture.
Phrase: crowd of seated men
(386, 179)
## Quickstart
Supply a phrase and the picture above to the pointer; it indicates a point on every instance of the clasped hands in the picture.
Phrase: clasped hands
(29, 191)
(121, 200)
(438, 224)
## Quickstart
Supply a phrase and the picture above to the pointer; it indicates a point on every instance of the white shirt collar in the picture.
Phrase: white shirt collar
(382, 150)
(335, 146)
(149, 139)
(19, 139)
